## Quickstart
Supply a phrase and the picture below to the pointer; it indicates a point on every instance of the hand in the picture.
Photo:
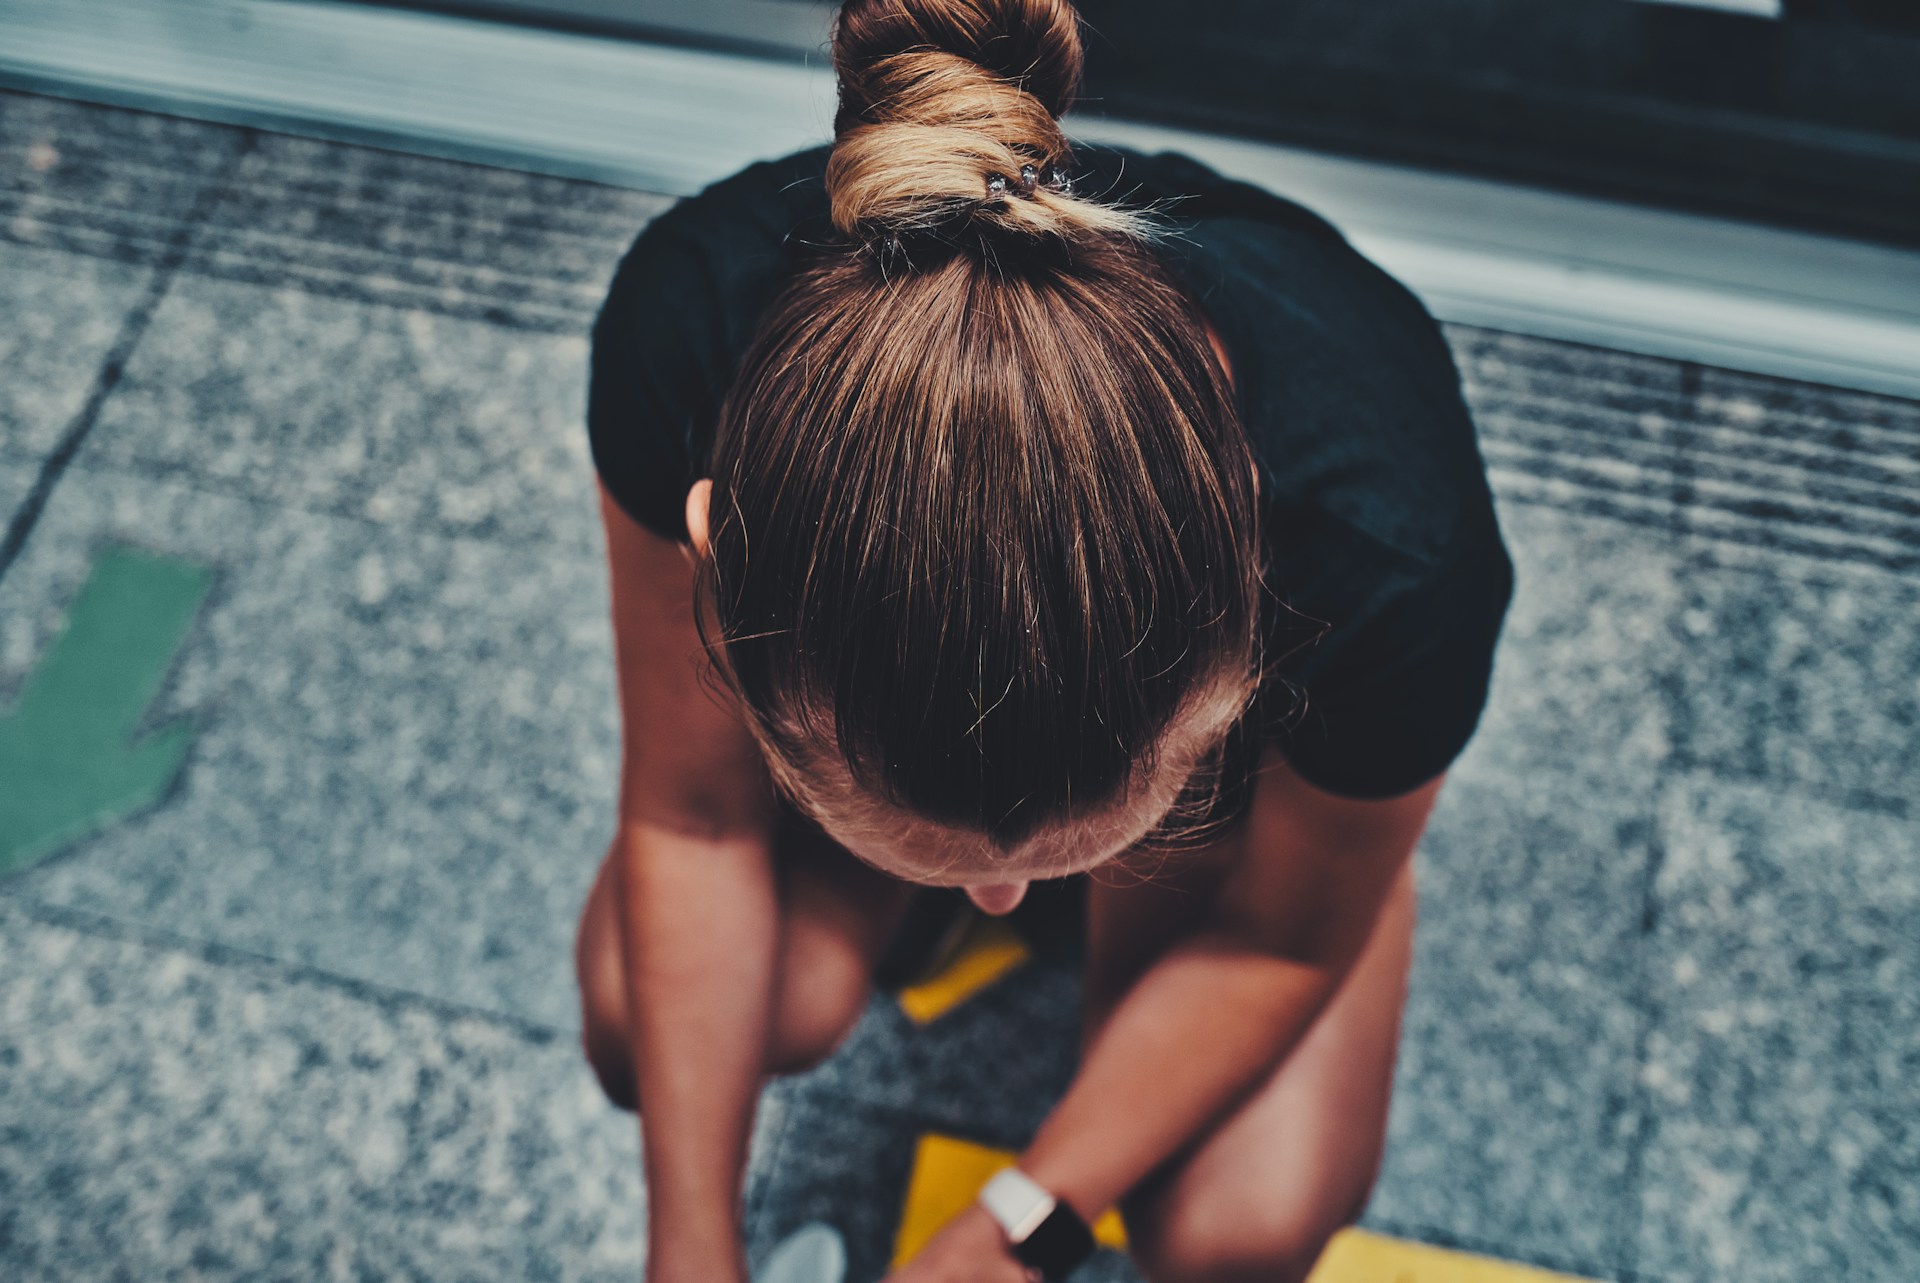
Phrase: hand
(970, 1248)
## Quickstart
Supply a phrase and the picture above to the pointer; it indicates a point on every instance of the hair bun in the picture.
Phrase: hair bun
(948, 114)
(1034, 44)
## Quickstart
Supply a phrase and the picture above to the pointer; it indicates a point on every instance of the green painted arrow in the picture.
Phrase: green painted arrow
(66, 768)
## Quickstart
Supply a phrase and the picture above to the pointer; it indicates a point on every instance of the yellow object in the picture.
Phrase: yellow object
(989, 951)
(1355, 1256)
(948, 1175)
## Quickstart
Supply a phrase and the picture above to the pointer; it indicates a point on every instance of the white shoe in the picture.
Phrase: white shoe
(811, 1254)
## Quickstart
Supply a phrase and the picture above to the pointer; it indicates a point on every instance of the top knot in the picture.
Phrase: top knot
(947, 116)
(1031, 44)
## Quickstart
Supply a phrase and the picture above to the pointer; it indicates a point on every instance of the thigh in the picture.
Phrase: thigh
(1260, 1193)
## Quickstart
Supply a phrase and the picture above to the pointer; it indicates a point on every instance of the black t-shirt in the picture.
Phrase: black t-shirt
(1389, 574)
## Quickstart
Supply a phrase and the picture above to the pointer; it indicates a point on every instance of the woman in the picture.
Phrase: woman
(969, 528)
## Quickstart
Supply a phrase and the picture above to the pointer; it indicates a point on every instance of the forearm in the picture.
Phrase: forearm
(699, 939)
(1201, 1028)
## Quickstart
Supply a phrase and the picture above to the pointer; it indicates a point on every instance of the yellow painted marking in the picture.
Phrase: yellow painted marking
(948, 1174)
(989, 951)
(1355, 1256)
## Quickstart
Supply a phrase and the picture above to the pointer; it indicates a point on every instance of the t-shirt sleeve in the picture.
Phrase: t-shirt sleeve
(1402, 696)
(656, 376)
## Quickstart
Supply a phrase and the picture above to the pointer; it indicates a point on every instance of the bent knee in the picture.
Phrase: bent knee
(606, 1032)
(824, 991)
(612, 1067)
(606, 1036)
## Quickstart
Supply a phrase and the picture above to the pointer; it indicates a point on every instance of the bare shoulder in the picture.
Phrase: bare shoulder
(688, 762)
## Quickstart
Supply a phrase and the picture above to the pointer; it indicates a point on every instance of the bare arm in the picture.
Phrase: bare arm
(692, 867)
(1295, 911)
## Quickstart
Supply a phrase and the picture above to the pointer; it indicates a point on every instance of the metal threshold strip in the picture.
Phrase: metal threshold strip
(671, 119)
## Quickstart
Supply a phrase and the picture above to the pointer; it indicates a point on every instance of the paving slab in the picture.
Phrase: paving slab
(170, 1113)
(514, 249)
(1588, 654)
(1783, 1067)
(1531, 379)
(1803, 675)
(405, 768)
(105, 181)
(1838, 416)
(1777, 470)
(64, 312)
(1578, 429)
(408, 418)
(1819, 477)
(1512, 1119)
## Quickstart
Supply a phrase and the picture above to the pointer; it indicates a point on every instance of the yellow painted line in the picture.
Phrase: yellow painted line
(989, 951)
(948, 1174)
(1356, 1256)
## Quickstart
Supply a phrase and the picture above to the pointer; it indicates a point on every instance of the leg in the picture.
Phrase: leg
(838, 916)
(1258, 1197)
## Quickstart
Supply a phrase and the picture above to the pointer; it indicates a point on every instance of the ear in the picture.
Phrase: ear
(698, 498)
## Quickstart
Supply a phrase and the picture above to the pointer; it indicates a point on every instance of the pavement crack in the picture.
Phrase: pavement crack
(113, 366)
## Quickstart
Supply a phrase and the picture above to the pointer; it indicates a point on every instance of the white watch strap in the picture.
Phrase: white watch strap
(1017, 1202)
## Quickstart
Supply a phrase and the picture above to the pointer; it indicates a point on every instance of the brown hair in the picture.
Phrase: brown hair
(983, 523)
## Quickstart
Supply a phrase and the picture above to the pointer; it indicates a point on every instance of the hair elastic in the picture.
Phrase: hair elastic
(1031, 179)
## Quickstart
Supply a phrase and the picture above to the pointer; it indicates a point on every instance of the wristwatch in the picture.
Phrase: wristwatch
(1042, 1231)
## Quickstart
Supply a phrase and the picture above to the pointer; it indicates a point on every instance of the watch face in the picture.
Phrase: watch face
(1058, 1244)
